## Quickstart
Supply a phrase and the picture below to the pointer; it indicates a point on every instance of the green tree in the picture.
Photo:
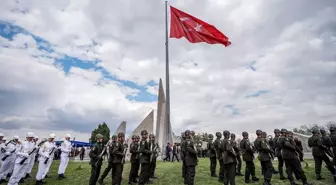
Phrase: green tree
(102, 129)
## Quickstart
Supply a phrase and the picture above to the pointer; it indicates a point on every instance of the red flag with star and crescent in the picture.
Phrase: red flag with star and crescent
(194, 29)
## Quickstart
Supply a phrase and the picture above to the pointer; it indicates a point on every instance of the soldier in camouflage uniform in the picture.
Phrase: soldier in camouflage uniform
(277, 150)
(95, 161)
(291, 159)
(134, 150)
(212, 156)
(218, 147)
(109, 166)
(154, 148)
(237, 150)
(229, 159)
(265, 157)
(117, 155)
(248, 151)
(183, 154)
(190, 159)
(264, 136)
(145, 154)
(319, 154)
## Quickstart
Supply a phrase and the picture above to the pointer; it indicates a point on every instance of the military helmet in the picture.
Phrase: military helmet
(138, 137)
(187, 132)
(226, 133)
(259, 132)
(276, 131)
(144, 132)
(210, 136)
(218, 134)
(289, 132)
(233, 135)
(151, 136)
(121, 134)
(134, 137)
(264, 133)
(332, 129)
(192, 132)
(323, 131)
(315, 131)
(114, 136)
(99, 136)
(245, 134)
(283, 130)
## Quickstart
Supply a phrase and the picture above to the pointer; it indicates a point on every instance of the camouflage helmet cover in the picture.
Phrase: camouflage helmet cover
(144, 132)
(121, 134)
(283, 130)
(210, 136)
(276, 131)
(259, 132)
(245, 133)
(99, 136)
(218, 134)
(226, 133)
(233, 135)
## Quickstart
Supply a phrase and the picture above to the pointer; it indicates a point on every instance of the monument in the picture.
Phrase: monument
(304, 140)
(164, 132)
(146, 124)
(121, 128)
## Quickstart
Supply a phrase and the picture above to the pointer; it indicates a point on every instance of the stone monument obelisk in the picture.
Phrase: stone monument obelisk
(146, 124)
(121, 128)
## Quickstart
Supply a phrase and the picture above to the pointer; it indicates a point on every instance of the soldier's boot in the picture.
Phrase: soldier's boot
(334, 179)
(239, 174)
(213, 174)
(274, 171)
(38, 182)
(318, 177)
(62, 176)
(293, 183)
(3, 181)
(27, 176)
(255, 179)
(21, 180)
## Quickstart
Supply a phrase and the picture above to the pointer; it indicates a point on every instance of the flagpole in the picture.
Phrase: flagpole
(167, 71)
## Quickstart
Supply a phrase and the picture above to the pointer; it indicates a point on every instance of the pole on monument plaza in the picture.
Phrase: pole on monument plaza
(167, 69)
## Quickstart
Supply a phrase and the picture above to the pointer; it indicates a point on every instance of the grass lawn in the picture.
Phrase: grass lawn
(168, 173)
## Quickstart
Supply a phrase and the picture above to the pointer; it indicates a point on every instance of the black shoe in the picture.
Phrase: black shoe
(214, 175)
(318, 177)
(100, 182)
(38, 183)
(239, 174)
(255, 179)
(282, 178)
(21, 181)
(3, 181)
(293, 183)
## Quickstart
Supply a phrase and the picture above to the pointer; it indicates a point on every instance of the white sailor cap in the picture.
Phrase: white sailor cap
(30, 134)
(52, 135)
(2, 135)
(4, 138)
(16, 137)
(67, 135)
(36, 137)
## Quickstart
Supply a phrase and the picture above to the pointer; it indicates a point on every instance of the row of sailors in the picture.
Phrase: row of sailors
(17, 159)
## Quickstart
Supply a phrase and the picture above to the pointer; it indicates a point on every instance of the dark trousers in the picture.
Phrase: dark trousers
(81, 157)
(190, 175)
(249, 170)
(229, 173)
(144, 174)
(301, 156)
(152, 167)
(213, 164)
(175, 156)
(294, 166)
(116, 173)
(318, 164)
(239, 164)
(221, 170)
(280, 166)
(134, 171)
(106, 171)
(95, 171)
(184, 170)
(167, 157)
(267, 168)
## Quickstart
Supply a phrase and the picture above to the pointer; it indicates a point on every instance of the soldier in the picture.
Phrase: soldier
(218, 147)
(45, 153)
(212, 156)
(291, 159)
(66, 149)
(8, 158)
(145, 154)
(183, 154)
(190, 159)
(117, 154)
(237, 150)
(277, 150)
(154, 147)
(110, 148)
(333, 141)
(23, 158)
(138, 141)
(95, 160)
(32, 162)
(291, 140)
(319, 154)
(134, 150)
(299, 147)
(265, 156)
(264, 136)
(229, 159)
(248, 156)
(326, 141)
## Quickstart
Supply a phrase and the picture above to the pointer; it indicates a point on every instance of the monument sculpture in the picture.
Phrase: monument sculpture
(146, 124)
(304, 139)
(121, 128)
(164, 132)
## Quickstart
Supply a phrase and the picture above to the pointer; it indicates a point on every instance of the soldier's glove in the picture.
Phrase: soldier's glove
(24, 155)
(7, 153)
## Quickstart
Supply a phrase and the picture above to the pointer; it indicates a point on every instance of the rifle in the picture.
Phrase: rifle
(47, 159)
(24, 159)
(125, 151)
(5, 157)
(270, 153)
(328, 151)
(152, 155)
(103, 152)
(194, 146)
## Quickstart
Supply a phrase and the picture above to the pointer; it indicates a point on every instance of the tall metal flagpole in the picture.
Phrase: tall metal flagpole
(167, 71)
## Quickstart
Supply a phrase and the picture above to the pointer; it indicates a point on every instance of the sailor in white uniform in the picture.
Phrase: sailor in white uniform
(32, 162)
(23, 158)
(46, 156)
(66, 149)
(8, 157)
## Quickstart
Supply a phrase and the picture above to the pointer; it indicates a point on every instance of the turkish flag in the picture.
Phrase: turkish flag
(194, 30)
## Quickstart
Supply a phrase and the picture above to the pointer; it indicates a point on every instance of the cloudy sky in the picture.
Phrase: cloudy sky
(68, 65)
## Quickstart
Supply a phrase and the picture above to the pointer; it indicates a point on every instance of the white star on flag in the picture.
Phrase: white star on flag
(198, 27)
(184, 19)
